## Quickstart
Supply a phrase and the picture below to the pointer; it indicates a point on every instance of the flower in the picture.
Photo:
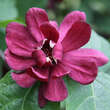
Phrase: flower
(43, 51)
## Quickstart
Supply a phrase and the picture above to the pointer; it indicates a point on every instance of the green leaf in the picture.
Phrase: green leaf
(1, 67)
(2, 48)
(13, 97)
(99, 43)
(3, 24)
(95, 96)
(102, 27)
(7, 10)
(2, 39)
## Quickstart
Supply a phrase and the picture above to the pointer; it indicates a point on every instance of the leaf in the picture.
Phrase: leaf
(3, 24)
(95, 96)
(1, 67)
(2, 39)
(7, 10)
(101, 14)
(102, 27)
(99, 43)
(2, 48)
(13, 97)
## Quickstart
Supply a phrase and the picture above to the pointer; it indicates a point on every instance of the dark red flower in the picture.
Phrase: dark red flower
(43, 51)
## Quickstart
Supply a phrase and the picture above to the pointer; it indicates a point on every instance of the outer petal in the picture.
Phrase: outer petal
(16, 62)
(69, 20)
(49, 32)
(24, 79)
(34, 18)
(57, 51)
(55, 90)
(77, 36)
(41, 74)
(19, 40)
(54, 23)
(84, 74)
(85, 53)
(83, 70)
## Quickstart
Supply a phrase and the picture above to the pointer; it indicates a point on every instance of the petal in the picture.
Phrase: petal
(49, 32)
(84, 74)
(18, 63)
(57, 51)
(69, 20)
(41, 74)
(41, 100)
(54, 24)
(19, 40)
(39, 57)
(55, 90)
(60, 70)
(34, 18)
(23, 79)
(77, 36)
(83, 70)
(89, 54)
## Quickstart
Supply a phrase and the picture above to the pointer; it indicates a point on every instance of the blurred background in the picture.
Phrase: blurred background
(97, 11)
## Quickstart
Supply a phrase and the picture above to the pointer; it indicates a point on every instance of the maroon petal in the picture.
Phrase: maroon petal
(49, 32)
(41, 100)
(55, 90)
(77, 36)
(57, 51)
(54, 23)
(23, 79)
(41, 74)
(39, 57)
(19, 40)
(83, 70)
(60, 70)
(34, 18)
(69, 20)
(85, 53)
(16, 62)
(84, 74)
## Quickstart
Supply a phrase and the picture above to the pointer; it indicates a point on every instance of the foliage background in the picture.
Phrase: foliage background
(95, 96)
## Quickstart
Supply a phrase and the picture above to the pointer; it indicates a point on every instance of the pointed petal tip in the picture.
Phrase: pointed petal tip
(106, 60)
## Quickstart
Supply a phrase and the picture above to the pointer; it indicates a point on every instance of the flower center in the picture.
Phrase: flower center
(48, 51)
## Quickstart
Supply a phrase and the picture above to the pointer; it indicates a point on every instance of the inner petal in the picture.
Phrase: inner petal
(40, 57)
